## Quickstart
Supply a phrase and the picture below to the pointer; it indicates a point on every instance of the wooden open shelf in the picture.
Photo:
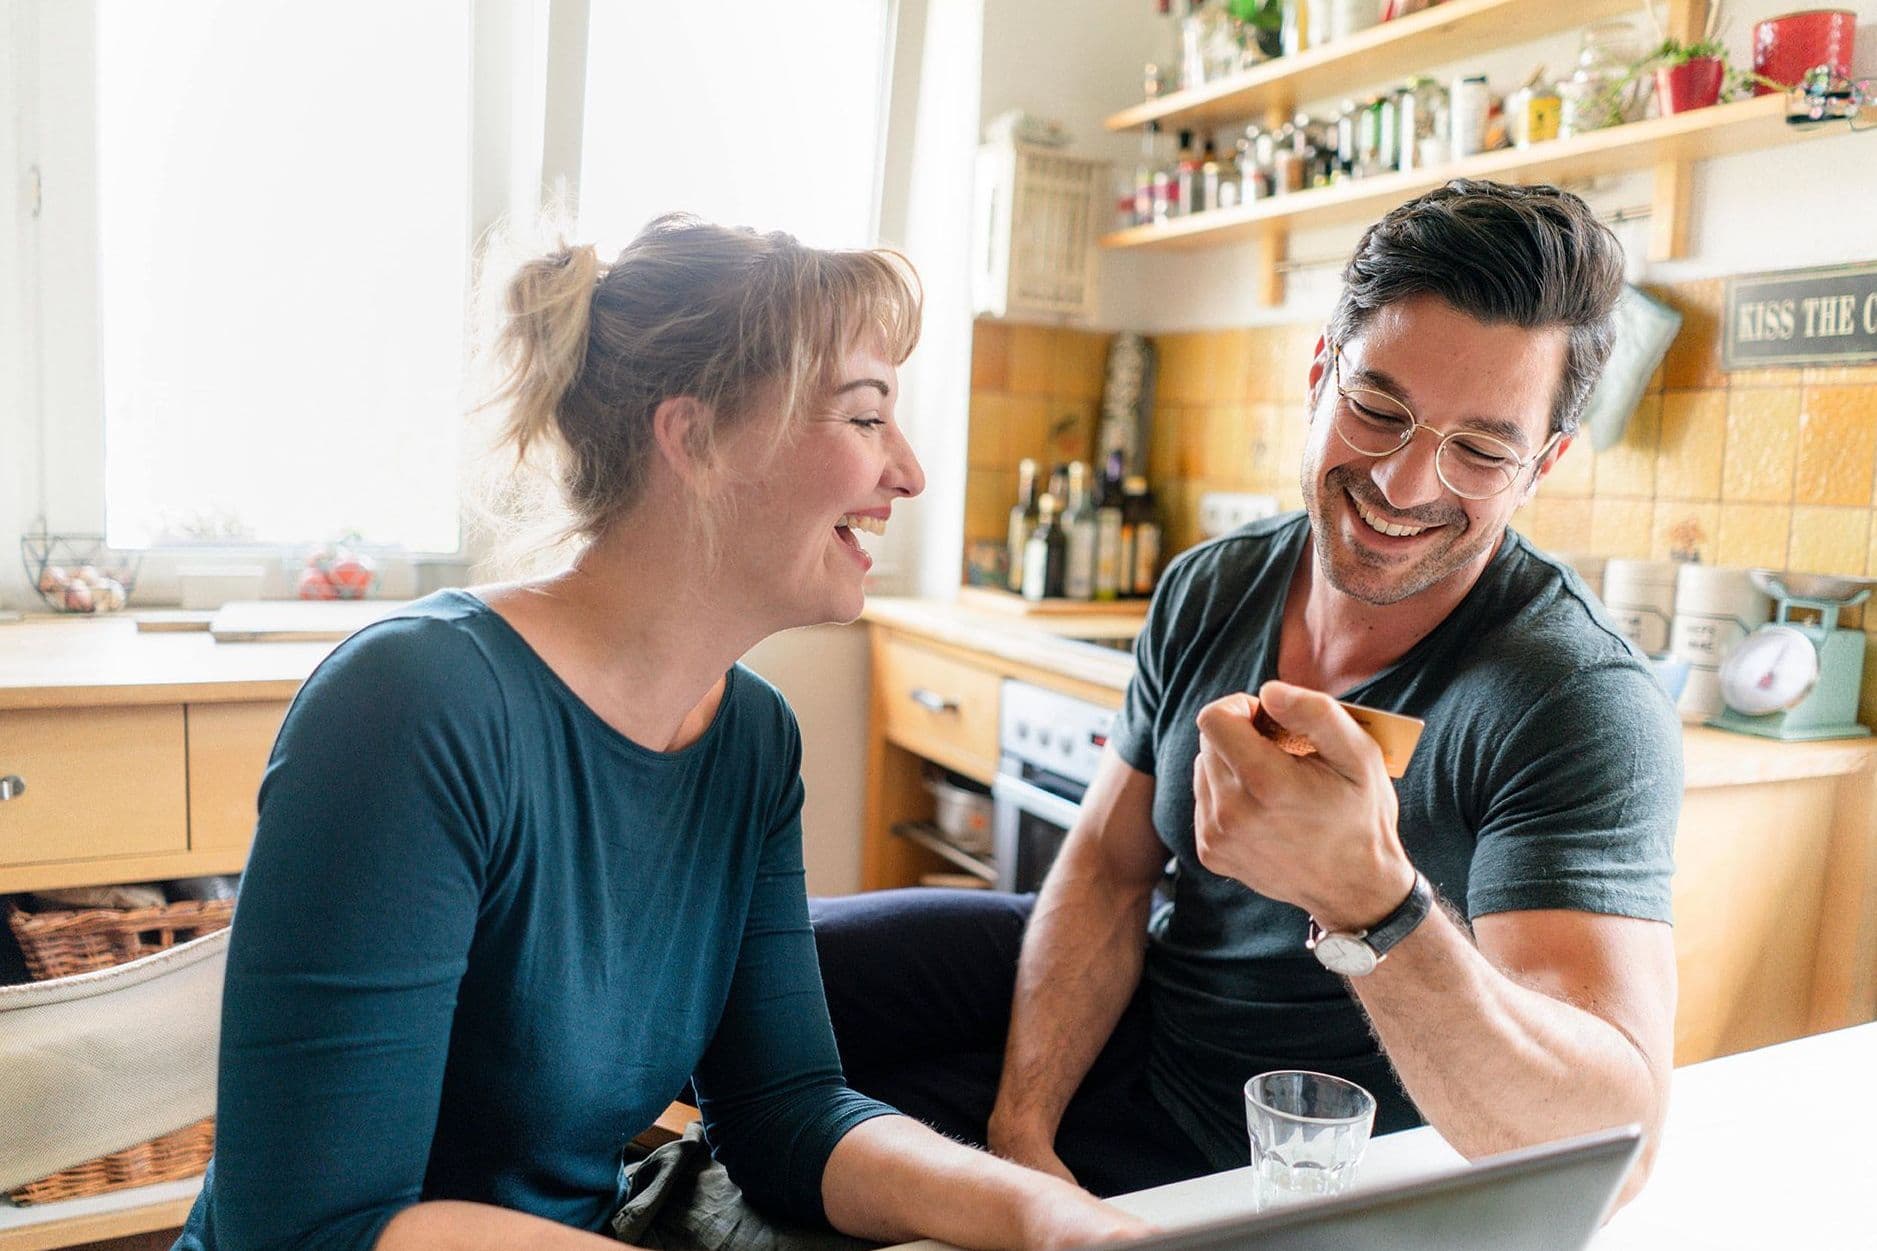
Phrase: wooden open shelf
(1382, 54)
(1456, 30)
(1725, 129)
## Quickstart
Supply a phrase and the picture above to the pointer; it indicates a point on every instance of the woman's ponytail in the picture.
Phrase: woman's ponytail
(543, 342)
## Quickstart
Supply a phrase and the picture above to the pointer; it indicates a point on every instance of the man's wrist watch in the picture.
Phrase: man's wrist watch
(1355, 953)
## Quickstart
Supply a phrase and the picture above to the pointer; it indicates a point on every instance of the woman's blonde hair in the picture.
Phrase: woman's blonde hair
(736, 320)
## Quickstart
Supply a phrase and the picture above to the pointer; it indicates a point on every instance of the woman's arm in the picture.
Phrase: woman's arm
(351, 937)
(802, 1144)
(446, 1225)
(893, 1179)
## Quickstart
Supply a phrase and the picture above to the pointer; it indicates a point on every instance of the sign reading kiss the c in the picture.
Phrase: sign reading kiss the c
(1824, 316)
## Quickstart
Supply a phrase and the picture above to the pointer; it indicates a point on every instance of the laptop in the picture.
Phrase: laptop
(1546, 1198)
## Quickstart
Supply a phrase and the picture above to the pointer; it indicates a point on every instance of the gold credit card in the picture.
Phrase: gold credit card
(1393, 732)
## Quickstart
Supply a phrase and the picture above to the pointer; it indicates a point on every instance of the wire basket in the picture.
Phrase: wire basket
(77, 573)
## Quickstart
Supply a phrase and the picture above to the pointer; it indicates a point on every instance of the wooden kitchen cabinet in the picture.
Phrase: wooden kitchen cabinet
(140, 753)
(937, 706)
(100, 784)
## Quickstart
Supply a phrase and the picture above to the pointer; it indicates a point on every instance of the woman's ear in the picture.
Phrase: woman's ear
(681, 427)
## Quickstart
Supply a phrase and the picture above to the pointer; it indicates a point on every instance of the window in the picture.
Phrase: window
(248, 284)
(283, 197)
(743, 112)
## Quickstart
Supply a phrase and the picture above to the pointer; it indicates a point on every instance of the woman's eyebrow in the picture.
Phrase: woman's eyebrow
(845, 387)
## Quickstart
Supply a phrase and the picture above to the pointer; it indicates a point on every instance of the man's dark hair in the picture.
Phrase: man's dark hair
(1528, 256)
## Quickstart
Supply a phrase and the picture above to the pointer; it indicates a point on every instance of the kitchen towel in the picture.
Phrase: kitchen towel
(679, 1199)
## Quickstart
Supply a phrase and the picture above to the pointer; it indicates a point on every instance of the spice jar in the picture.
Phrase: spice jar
(1602, 92)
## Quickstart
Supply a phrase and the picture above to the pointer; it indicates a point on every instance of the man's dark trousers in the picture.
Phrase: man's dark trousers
(919, 985)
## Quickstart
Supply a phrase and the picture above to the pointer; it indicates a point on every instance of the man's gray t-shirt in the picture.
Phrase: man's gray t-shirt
(1549, 776)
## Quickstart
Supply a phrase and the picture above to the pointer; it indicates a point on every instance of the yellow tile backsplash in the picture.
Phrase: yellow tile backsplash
(1830, 540)
(1753, 535)
(1761, 467)
(1837, 445)
(1693, 439)
(1762, 444)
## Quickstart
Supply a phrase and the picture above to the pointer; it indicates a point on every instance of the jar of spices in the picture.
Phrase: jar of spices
(1532, 113)
(1287, 162)
(1601, 92)
(1420, 104)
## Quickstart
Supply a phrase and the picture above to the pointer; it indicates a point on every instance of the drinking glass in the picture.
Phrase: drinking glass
(1308, 1132)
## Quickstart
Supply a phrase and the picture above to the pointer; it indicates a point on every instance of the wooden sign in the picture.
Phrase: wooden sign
(1824, 316)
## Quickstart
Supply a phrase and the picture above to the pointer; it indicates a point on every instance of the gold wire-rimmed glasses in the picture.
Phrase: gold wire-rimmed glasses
(1472, 464)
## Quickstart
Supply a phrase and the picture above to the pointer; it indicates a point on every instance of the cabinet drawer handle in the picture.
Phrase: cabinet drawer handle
(932, 701)
(11, 785)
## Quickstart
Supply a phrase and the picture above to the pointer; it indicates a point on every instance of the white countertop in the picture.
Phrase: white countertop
(1766, 1149)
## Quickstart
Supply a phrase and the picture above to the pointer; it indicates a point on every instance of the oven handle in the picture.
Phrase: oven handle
(1035, 800)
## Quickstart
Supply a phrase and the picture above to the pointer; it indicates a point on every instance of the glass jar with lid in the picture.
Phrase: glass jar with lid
(1603, 91)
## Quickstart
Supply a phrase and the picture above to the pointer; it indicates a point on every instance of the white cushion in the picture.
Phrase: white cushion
(97, 1062)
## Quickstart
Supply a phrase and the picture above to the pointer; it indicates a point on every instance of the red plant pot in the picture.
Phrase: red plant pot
(1786, 48)
(1691, 85)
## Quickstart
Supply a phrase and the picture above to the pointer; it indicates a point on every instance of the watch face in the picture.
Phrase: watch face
(1346, 955)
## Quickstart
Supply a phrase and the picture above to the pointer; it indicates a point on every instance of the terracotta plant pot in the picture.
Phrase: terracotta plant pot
(1691, 85)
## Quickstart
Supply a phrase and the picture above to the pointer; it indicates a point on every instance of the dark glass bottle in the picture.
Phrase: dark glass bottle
(1046, 559)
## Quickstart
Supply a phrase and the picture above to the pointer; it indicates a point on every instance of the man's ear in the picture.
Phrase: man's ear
(1544, 467)
(681, 427)
(1319, 370)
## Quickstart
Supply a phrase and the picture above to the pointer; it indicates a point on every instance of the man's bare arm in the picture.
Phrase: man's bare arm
(1081, 961)
(1558, 1023)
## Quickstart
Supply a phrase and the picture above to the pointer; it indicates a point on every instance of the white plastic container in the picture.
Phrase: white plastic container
(1640, 595)
(1715, 608)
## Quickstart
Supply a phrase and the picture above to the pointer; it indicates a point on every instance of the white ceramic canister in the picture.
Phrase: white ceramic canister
(1640, 595)
(1714, 609)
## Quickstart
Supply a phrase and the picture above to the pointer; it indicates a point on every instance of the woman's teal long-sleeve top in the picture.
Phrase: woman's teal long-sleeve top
(483, 939)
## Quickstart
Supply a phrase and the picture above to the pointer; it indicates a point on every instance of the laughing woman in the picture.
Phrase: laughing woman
(529, 857)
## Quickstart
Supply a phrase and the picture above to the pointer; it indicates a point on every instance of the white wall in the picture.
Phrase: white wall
(1081, 61)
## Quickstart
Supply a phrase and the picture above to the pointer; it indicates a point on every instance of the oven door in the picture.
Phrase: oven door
(1028, 824)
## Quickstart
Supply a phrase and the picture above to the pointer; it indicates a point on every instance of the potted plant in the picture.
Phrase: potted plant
(1260, 27)
(1695, 74)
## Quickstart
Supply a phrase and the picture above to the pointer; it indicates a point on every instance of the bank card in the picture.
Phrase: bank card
(1393, 732)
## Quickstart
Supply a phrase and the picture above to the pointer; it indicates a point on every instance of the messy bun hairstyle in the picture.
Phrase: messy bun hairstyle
(742, 322)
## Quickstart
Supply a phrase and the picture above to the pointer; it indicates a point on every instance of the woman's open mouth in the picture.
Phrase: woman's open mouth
(850, 522)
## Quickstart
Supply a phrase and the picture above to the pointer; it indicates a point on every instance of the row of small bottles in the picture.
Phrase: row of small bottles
(1412, 127)
(1082, 540)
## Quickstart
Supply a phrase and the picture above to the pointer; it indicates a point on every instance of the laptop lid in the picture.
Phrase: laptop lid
(1546, 1198)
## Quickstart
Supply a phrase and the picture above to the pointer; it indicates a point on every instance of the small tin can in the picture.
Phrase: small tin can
(1471, 103)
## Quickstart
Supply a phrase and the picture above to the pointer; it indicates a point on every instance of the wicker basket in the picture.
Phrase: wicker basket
(61, 943)
(184, 1153)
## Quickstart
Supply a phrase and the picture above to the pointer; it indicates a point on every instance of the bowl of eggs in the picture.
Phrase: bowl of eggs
(77, 573)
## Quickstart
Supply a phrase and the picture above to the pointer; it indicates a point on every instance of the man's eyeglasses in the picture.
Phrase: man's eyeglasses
(1473, 465)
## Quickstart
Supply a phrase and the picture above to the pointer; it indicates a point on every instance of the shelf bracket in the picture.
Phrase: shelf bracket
(1673, 198)
(1272, 247)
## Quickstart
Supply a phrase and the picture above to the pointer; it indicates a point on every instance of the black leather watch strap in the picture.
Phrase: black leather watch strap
(1400, 923)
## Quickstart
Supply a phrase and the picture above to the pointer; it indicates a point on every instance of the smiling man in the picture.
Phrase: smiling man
(1484, 944)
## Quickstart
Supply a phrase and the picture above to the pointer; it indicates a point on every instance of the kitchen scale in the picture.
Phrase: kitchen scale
(1798, 679)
